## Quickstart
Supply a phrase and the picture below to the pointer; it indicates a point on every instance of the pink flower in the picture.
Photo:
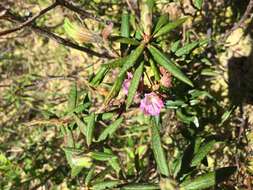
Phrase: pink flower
(127, 82)
(151, 104)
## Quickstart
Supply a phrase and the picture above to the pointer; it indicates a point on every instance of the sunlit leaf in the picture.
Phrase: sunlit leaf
(105, 185)
(130, 41)
(115, 63)
(198, 3)
(97, 79)
(154, 69)
(132, 58)
(80, 124)
(201, 182)
(72, 100)
(102, 156)
(134, 84)
(158, 150)
(186, 49)
(161, 59)
(202, 152)
(161, 22)
(110, 129)
(170, 26)
(90, 129)
(115, 88)
(140, 187)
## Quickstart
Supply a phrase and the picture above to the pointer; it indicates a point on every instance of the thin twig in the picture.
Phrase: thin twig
(42, 31)
(81, 12)
(240, 22)
(29, 21)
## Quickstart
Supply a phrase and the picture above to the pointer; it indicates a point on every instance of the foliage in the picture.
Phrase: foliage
(139, 111)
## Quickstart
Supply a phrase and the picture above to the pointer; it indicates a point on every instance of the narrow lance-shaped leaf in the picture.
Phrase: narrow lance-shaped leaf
(158, 150)
(161, 59)
(90, 175)
(161, 22)
(198, 3)
(201, 182)
(115, 63)
(80, 124)
(115, 89)
(134, 84)
(130, 61)
(208, 180)
(99, 76)
(102, 156)
(146, 7)
(105, 185)
(132, 58)
(72, 100)
(186, 49)
(129, 41)
(125, 29)
(90, 129)
(202, 152)
(141, 187)
(154, 69)
(170, 26)
(110, 129)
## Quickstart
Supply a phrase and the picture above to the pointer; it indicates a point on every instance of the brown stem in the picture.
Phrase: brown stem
(29, 21)
(240, 22)
(42, 31)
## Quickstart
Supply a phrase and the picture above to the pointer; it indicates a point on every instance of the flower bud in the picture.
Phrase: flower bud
(80, 33)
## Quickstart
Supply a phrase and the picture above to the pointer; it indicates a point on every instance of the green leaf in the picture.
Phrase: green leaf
(158, 150)
(161, 22)
(115, 63)
(72, 100)
(186, 49)
(208, 180)
(226, 115)
(105, 185)
(81, 161)
(110, 129)
(170, 26)
(80, 124)
(141, 187)
(202, 152)
(113, 162)
(175, 104)
(154, 69)
(90, 175)
(132, 58)
(201, 182)
(187, 119)
(161, 59)
(102, 156)
(130, 61)
(174, 46)
(97, 79)
(115, 89)
(129, 41)
(125, 29)
(134, 84)
(198, 3)
(90, 129)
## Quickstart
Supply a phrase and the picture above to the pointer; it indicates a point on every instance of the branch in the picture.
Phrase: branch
(240, 22)
(39, 30)
(29, 21)
(80, 11)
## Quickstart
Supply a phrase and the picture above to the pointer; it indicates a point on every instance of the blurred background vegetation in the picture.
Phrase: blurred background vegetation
(37, 74)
